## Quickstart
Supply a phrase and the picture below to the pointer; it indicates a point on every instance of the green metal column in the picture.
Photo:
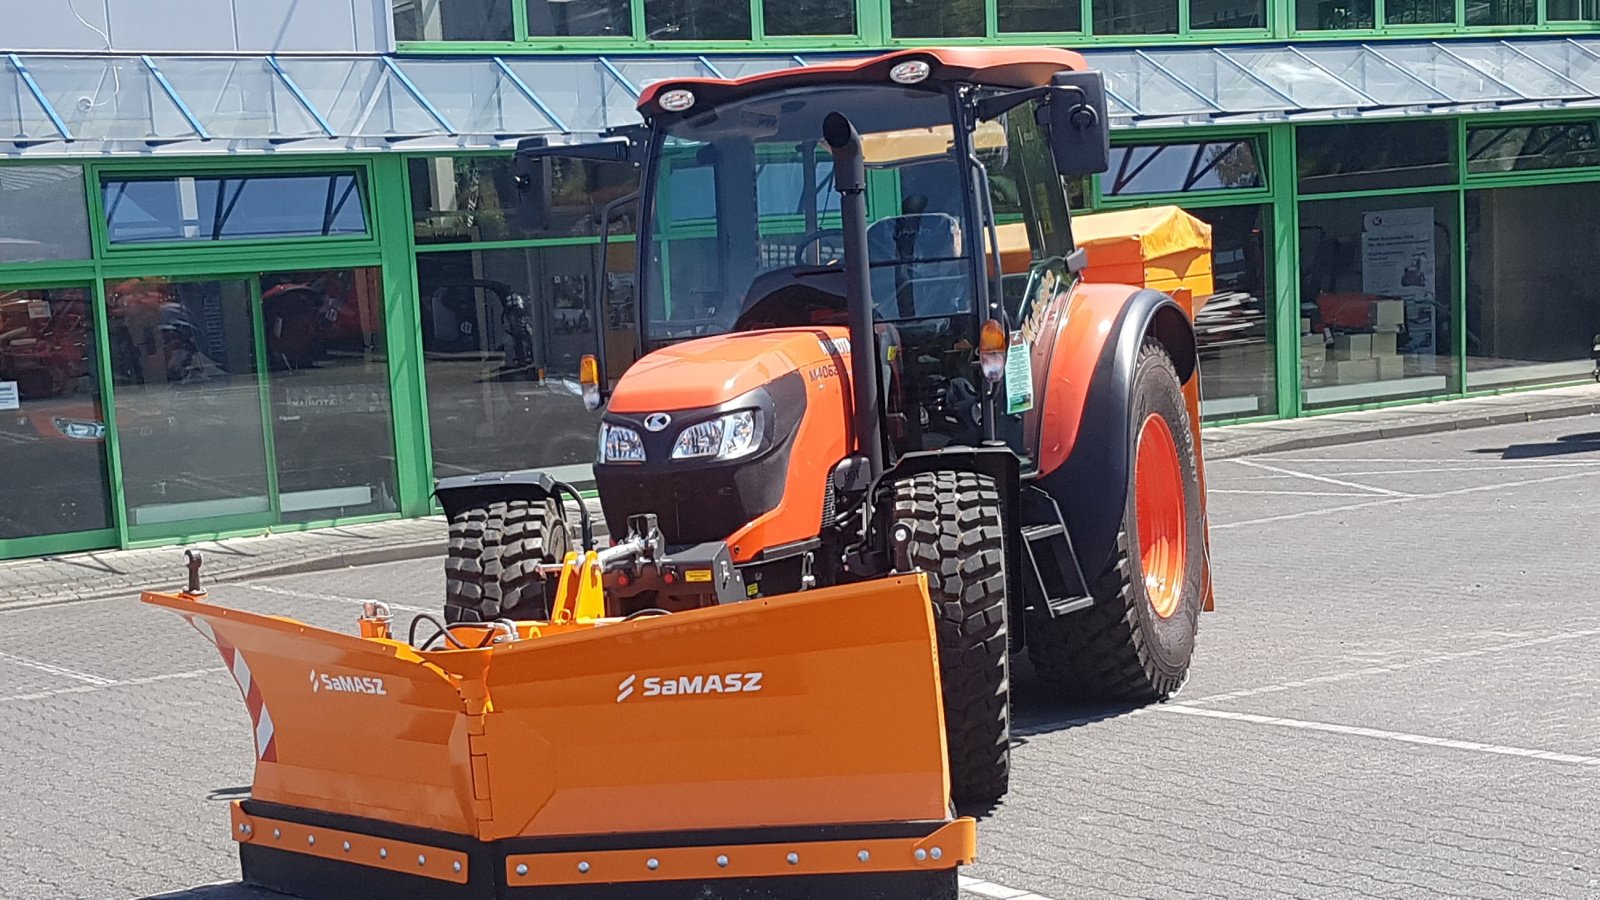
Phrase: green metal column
(403, 332)
(1282, 177)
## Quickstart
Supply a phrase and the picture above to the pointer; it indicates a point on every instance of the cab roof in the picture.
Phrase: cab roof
(1006, 67)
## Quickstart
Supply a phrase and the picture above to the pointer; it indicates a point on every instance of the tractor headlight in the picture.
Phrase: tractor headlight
(620, 444)
(725, 437)
(79, 430)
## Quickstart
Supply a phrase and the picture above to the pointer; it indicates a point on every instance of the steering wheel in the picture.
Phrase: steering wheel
(811, 237)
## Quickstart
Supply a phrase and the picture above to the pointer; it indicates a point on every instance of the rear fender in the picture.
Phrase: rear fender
(1085, 447)
(463, 492)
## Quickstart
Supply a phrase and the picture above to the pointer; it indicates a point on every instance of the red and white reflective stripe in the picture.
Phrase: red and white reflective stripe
(266, 749)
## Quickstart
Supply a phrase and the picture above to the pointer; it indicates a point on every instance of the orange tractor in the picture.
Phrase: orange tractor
(881, 433)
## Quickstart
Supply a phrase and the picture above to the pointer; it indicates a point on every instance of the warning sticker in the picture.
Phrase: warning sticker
(1019, 375)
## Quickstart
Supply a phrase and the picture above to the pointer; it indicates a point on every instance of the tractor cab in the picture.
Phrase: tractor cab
(741, 216)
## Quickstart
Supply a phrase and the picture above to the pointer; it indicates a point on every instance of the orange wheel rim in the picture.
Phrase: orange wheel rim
(1161, 510)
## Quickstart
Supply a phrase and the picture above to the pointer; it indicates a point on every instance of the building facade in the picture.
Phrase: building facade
(263, 265)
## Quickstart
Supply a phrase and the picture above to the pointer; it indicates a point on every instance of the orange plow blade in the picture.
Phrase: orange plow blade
(786, 747)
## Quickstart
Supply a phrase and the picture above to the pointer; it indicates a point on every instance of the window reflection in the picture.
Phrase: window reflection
(1531, 306)
(502, 334)
(52, 428)
(188, 401)
(476, 198)
(219, 208)
(696, 20)
(333, 436)
(593, 18)
(452, 20)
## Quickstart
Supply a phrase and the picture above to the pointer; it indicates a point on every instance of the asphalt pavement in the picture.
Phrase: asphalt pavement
(1395, 698)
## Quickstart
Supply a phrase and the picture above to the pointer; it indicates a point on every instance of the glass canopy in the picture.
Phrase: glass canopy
(52, 104)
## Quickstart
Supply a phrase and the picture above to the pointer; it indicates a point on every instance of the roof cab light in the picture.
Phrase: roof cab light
(725, 437)
(676, 101)
(992, 351)
(910, 72)
(620, 444)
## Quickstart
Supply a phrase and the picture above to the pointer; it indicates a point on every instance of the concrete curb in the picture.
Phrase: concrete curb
(1378, 431)
(345, 559)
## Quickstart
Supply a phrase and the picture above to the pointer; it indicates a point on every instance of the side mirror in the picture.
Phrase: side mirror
(1080, 126)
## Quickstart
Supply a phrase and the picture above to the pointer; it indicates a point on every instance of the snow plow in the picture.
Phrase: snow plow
(749, 750)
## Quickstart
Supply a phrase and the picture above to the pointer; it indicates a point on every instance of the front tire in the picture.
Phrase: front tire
(957, 536)
(494, 549)
(1137, 641)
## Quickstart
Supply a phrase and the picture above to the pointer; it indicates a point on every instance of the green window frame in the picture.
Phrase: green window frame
(106, 248)
(1388, 18)
(866, 28)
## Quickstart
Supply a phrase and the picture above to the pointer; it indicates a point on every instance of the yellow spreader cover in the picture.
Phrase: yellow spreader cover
(1161, 247)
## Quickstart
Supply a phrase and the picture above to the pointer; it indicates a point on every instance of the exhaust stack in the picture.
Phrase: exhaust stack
(850, 180)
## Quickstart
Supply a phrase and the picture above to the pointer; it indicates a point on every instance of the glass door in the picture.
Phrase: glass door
(188, 405)
(328, 385)
(252, 400)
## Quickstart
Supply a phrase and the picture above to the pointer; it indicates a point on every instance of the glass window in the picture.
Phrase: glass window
(1520, 148)
(696, 20)
(590, 18)
(1573, 10)
(1377, 291)
(1135, 17)
(1531, 306)
(42, 214)
(1375, 156)
(502, 334)
(1234, 326)
(1502, 12)
(476, 198)
(223, 208)
(1181, 168)
(1023, 16)
(936, 18)
(1334, 15)
(1419, 12)
(332, 434)
(52, 427)
(1210, 14)
(808, 17)
(188, 399)
(453, 20)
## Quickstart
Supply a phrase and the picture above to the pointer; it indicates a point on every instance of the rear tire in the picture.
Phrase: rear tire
(494, 549)
(958, 538)
(1136, 642)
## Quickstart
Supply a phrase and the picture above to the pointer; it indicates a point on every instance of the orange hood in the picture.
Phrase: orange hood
(711, 371)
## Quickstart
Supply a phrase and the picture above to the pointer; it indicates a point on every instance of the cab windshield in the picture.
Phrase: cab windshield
(744, 211)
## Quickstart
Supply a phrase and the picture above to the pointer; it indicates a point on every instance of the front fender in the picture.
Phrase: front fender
(463, 492)
(1085, 433)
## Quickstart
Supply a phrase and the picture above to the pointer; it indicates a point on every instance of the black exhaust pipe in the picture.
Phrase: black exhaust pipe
(850, 180)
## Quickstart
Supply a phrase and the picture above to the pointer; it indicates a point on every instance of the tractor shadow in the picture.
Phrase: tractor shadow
(231, 891)
(1567, 444)
(1037, 711)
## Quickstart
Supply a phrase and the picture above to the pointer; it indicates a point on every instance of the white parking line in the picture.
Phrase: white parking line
(57, 670)
(1322, 478)
(1387, 669)
(1404, 498)
(997, 891)
(92, 688)
(1288, 493)
(1380, 734)
(309, 595)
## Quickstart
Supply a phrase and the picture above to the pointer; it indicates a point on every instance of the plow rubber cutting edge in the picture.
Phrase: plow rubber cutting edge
(780, 748)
